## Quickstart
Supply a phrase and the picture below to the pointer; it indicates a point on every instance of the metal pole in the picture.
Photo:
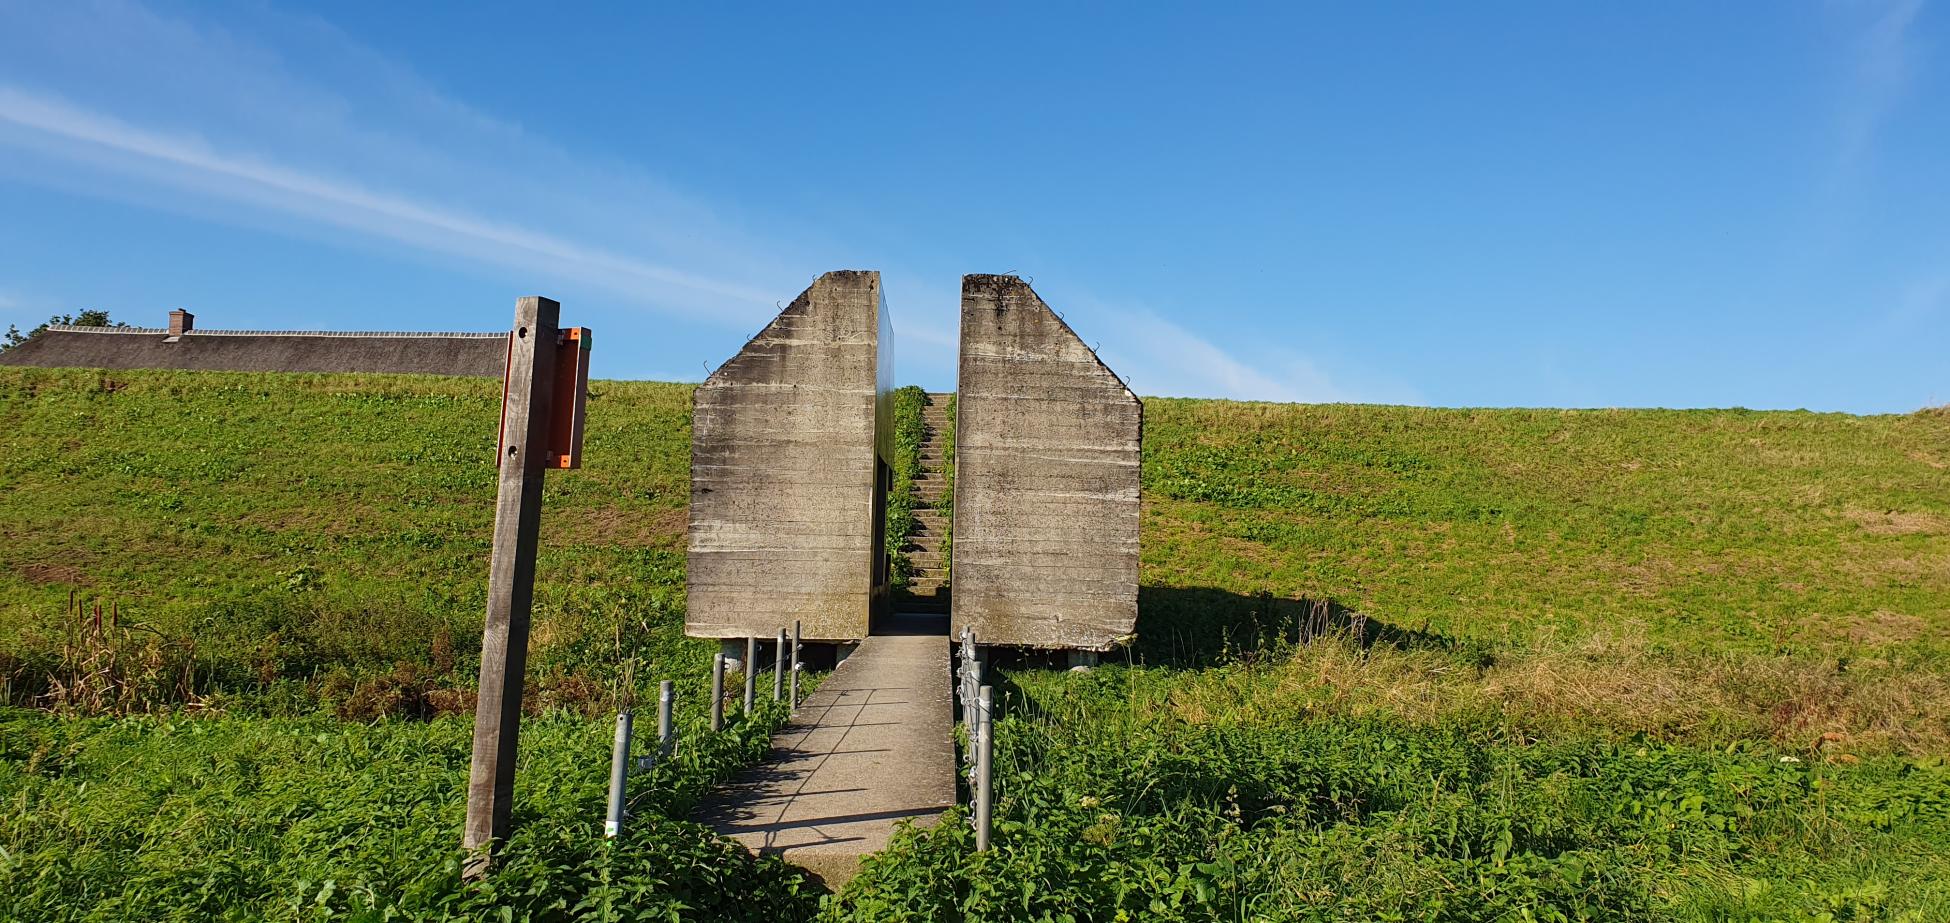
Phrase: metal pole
(526, 398)
(970, 716)
(795, 664)
(619, 774)
(984, 766)
(751, 673)
(966, 693)
(778, 668)
(717, 691)
(666, 716)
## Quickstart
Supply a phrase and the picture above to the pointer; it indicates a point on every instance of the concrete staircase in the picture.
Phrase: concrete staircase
(928, 587)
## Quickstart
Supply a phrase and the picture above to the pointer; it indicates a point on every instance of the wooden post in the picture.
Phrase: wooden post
(511, 577)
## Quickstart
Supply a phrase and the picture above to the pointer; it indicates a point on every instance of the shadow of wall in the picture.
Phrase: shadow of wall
(1201, 626)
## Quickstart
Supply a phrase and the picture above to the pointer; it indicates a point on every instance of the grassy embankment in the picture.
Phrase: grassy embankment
(278, 554)
(1622, 665)
(1625, 664)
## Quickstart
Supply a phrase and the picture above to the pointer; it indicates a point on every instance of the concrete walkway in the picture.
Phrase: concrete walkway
(873, 747)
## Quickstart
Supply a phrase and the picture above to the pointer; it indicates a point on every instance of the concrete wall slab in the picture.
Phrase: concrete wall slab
(785, 442)
(1045, 550)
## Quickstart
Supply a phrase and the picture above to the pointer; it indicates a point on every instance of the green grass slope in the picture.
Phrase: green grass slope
(293, 525)
(1614, 665)
(327, 528)
(1717, 528)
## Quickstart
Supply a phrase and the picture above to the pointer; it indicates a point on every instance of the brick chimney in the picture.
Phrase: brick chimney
(181, 322)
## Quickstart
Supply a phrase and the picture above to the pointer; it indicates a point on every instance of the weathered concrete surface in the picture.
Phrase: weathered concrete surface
(1045, 550)
(475, 354)
(872, 748)
(786, 441)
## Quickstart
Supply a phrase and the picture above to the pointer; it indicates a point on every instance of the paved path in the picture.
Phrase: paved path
(871, 748)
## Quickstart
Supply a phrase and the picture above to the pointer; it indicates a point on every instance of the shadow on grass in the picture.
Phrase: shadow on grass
(1200, 626)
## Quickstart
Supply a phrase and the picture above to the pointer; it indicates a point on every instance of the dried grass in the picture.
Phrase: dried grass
(1615, 683)
(108, 667)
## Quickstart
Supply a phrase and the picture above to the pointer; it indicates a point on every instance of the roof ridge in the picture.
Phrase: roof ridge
(69, 328)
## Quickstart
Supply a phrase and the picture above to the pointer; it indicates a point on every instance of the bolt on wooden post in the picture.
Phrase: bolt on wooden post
(543, 399)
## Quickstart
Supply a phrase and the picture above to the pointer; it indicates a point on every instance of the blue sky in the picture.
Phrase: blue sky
(1648, 204)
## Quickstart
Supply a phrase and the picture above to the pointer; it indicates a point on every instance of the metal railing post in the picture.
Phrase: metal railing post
(666, 717)
(619, 774)
(971, 705)
(778, 668)
(970, 682)
(795, 664)
(717, 691)
(751, 673)
(984, 769)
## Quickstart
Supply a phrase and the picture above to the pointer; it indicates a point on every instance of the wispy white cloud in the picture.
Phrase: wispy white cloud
(192, 163)
(291, 122)
(1183, 363)
(1882, 61)
(1920, 302)
(1161, 357)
